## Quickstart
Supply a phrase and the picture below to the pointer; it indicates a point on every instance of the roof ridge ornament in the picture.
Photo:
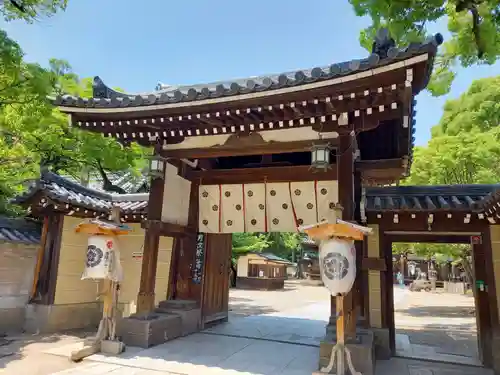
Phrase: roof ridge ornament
(102, 91)
(382, 43)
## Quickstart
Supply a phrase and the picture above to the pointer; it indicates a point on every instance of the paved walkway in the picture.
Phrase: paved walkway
(268, 333)
(437, 326)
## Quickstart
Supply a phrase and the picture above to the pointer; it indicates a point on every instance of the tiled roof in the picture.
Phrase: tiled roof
(309, 242)
(273, 258)
(62, 190)
(105, 97)
(428, 198)
(391, 198)
(126, 180)
(19, 231)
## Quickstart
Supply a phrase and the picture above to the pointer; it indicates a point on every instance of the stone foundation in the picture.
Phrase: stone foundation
(146, 330)
(362, 351)
(260, 283)
(496, 352)
(12, 319)
(382, 343)
(188, 311)
(56, 318)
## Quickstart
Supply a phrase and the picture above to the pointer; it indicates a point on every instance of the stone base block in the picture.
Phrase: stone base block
(190, 314)
(382, 343)
(146, 330)
(57, 318)
(362, 351)
(112, 347)
(496, 352)
(178, 304)
(12, 319)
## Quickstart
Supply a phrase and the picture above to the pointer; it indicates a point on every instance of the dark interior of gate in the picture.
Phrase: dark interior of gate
(235, 156)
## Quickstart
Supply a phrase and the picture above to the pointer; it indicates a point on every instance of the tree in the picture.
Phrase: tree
(285, 244)
(30, 10)
(477, 109)
(244, 243)
(35, 134)
(467, 158)
(474, 26)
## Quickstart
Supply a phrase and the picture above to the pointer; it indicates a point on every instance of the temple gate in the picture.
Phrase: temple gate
(236, 157)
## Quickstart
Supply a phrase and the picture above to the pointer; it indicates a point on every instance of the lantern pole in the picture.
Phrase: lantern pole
(105, 340)
(340, 231)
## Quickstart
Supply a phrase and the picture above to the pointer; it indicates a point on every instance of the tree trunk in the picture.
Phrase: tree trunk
(469, 273)
(85, 176)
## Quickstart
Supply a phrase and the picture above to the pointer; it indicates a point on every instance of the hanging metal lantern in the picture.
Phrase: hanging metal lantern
(320, 156)
(157, 165)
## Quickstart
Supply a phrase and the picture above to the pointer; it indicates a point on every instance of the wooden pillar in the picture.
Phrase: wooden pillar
(345, 167)
(374, 280)
(39, 258)
(360, 274)
(492, 238)
(146, 296)
(387, 291)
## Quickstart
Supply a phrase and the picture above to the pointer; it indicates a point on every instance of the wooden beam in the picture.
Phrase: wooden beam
(256, 175)
(370, 165)
(242, 150)
(374, 264)
(168, 229)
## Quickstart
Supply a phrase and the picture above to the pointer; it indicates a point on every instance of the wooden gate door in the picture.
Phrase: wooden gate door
(215, 303)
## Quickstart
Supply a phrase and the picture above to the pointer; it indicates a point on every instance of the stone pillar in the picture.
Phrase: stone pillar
(146, 296)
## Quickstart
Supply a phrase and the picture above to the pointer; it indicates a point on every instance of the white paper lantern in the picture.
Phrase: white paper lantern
(103, 259)
(337, 263)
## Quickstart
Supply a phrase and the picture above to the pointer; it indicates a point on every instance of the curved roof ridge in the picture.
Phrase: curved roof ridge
(459, 189)
(384, 52)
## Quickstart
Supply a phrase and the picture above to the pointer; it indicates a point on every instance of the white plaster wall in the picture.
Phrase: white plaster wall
(242, 267)
(176, 194)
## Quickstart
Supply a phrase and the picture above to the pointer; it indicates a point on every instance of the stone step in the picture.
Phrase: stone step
(167, 305)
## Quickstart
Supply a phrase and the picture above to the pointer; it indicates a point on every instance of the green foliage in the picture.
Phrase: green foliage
(246, 242)
(466, 158)
(280, 244)
(474, 26)
(442, 252)
(30, 10)
(464, 149)
(477, 109)
(35, 134)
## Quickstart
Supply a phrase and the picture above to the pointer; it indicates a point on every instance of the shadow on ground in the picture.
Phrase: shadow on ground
(16, 347)
(246, 307)
(261, 345)
(457, 340)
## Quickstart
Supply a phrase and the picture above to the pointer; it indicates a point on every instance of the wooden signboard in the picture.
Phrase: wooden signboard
(198, 261)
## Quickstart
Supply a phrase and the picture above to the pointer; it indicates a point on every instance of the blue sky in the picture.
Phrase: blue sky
(135, 44)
